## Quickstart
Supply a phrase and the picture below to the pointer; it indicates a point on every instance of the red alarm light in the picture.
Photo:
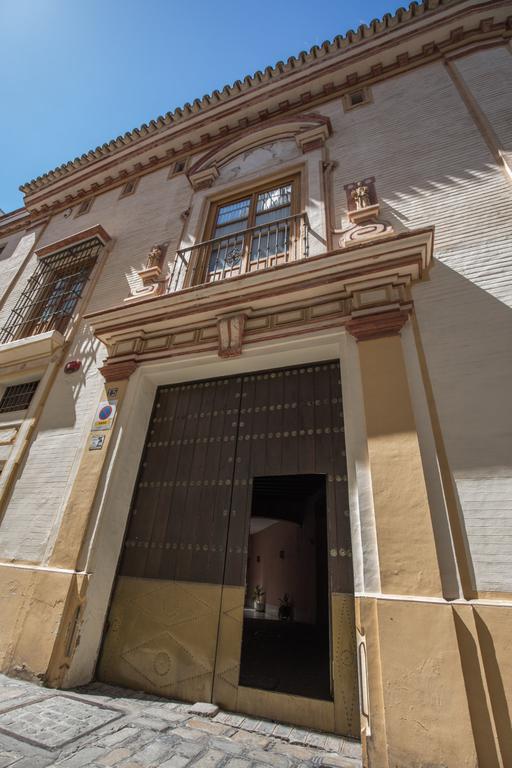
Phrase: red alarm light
(72, 366)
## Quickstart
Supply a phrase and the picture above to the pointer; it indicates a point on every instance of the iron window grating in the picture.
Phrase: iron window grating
(17, 397)
(52, 292)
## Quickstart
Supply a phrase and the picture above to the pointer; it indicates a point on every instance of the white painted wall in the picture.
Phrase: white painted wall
(431, 167)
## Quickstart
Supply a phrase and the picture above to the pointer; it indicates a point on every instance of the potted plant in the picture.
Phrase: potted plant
(286, 608)
(258, 596)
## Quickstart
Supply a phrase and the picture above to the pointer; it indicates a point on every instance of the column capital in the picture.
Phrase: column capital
(387, 322)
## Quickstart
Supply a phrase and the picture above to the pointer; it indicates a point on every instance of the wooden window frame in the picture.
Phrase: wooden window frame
(252, 192)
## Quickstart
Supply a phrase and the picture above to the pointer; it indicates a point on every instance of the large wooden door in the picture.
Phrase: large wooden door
(175, 624)
(163, 623)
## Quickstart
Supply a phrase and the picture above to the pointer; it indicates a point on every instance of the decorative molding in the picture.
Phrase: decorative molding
(307, 129)
(78, 237)
(374, 326)
(231, 333)
(296, 298)
(322, 73)
(8, 435)
(363, 36)
(314, 138)
(118, 371)
(203, 179)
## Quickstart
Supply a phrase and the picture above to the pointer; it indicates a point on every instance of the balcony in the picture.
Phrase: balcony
(243, 251)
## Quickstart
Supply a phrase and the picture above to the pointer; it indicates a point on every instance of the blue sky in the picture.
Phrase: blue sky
(76, 73)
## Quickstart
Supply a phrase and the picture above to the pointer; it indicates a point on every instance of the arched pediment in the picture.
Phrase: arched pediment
(308, 131)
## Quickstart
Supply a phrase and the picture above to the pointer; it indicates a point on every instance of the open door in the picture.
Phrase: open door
(225, 461)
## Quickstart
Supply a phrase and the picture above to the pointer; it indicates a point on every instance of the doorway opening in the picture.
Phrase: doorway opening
(285, 641)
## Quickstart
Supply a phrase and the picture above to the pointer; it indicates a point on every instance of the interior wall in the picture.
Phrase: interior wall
(293, 574)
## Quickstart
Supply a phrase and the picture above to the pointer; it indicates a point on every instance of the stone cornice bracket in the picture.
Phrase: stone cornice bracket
(389, 322)
(118, 371)
(379, 311)
(203, 179)
(231, 334)
(314, 138)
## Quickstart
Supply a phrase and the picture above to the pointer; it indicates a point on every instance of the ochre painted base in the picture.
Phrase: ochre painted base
(440, 683)
(161, 637)
(39, 613)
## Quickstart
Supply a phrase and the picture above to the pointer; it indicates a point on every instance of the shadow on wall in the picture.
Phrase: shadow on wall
(466, 336)
(475, 684)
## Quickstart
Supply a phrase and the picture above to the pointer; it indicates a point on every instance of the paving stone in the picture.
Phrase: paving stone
(316, 740)
(54, 721)
(253, 739)
(176, 761)
(155, 752)
(250, 724)
(84, 757)
(335, 761)
(227, 745)
(189, 733)
(206, 725)
(351, 748)
(8, 758)
(204, 709)
(210, 759)
(294, 750)
(117, 736)
(282, 731)
(114, 757)
(265, 727)
(153, 724)
(189, 748)
(152, 732)
(334, 744)
(298, 736)
(269, 758)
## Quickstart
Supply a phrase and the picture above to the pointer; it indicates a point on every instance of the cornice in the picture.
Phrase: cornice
(199, 126)
(346, 273)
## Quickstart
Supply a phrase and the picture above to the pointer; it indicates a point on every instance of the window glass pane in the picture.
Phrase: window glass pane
(273, 215)
(274, 198)
(233, 212)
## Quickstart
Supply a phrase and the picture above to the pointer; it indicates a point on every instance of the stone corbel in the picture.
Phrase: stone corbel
(203, 178)
(378, 311)
(118, 371)
(314, 138)
(231, 334)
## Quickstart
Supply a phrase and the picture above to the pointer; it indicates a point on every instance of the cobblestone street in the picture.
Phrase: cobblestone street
(100, 726)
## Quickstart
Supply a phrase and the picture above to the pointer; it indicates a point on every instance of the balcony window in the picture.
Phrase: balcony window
(251, 232)
(52, 292)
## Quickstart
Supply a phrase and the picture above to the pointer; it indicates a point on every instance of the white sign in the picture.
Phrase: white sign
(105, 415)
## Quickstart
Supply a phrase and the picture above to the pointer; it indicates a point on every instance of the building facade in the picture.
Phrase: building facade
(254, 365)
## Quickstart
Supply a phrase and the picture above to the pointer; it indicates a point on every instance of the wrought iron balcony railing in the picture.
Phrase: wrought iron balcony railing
(240, 252)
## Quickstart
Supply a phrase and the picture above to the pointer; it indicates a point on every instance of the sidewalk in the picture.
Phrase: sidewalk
(99, 725)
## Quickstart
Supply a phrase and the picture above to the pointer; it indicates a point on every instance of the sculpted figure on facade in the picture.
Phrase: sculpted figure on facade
(361, 196)
(154, 257)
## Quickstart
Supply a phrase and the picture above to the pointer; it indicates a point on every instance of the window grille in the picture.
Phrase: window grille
(18, 397)
(52, 292)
